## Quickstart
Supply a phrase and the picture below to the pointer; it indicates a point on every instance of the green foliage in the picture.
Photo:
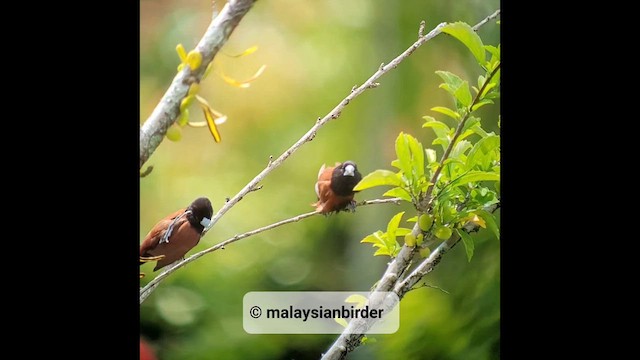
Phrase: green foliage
(468, 37)
(455, 190)
(386, 242)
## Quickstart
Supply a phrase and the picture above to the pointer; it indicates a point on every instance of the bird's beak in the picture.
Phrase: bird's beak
(349, 170)
(205, 222)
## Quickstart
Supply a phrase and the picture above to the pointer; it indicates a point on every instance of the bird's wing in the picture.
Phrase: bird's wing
(320, 171)
(155, 234)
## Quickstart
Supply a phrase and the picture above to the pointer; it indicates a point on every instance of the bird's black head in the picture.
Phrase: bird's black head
(201, 213)
(345, 177)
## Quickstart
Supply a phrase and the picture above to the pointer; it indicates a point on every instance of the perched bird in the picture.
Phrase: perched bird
(334, 187)
(172, 237)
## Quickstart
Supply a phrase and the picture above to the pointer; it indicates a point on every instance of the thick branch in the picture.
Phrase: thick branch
(166, 112)
(146, 291)
(350, 338)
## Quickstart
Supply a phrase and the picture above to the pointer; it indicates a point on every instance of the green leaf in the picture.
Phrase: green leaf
(378, 178)
(482, 149)
(475, 176)
(444, 141)
(392, 226)
(403, 154)
(417, 156)
(495, 51)
(382, 251)
(399, 193)
(431, 156)
(490, 219)
(402, 231)
(446, 111)
(480, 104)
(375, 238)
(451, 81)
(459, 149)
(467, 240)
(463, 94)
(360, 300)
(463, 32)
(437, 126)
(471, 123)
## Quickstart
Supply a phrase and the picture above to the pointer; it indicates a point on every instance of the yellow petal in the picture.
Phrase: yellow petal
(183, 119)
(212, 124)
(184, 104)
(242, 84)
(182, 54)
(249, 51)
(194, 89)
(197, 124)
(217, 121)
(194, 59)
(479, 221)
(210, 115)
(221, 120)
(475, 219)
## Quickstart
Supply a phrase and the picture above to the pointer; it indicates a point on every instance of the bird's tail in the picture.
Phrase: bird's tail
(145, 259)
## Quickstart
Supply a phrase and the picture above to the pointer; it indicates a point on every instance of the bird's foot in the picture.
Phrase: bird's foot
(351, 206)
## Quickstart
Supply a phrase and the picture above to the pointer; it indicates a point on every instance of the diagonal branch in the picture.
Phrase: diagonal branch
(166, 112)
(146, 291)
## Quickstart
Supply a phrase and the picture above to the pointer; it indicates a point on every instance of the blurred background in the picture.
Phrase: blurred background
(315, 52)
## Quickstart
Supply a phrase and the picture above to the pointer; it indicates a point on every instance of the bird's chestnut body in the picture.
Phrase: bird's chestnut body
(334, 187)
(185, 228)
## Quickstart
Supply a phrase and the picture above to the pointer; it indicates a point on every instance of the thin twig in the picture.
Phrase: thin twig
(166, 112)
(486, 20)
(146, 171)
(146, 291)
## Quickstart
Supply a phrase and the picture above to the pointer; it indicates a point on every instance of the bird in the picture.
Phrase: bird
(177, 233)
(334, 187)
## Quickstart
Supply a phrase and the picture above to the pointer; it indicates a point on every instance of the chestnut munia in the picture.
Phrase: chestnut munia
(334, 187)
(173, 236)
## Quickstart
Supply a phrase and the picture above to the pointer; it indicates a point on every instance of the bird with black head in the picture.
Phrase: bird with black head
(334, 187)
(177, 233)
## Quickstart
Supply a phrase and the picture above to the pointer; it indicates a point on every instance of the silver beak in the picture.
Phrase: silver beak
(349, 170)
